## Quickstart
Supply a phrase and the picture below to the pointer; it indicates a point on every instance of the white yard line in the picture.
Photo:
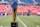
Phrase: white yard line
(22, 22)
(1, 26)
(37, 26)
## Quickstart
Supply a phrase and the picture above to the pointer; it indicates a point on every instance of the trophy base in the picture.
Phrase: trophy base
(14, 24)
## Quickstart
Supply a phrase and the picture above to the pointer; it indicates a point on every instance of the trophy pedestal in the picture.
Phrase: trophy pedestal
(14, 24)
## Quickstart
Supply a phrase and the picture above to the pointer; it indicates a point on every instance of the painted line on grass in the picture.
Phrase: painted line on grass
(1, 26)
(22, 22)
(37, 26)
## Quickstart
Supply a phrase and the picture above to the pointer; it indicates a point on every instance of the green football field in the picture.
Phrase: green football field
(27, 20)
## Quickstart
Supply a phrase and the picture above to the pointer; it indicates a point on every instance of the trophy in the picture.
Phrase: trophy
(14, 14)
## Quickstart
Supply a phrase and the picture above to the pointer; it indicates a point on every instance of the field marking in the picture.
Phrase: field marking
(1, 26)
(37, 26)
(21, 22)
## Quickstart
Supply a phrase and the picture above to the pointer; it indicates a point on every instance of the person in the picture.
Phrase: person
(21, 13)
(0, 13)
(28, 14)
(3, 13)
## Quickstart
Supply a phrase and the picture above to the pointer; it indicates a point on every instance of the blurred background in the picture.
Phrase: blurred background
(28, 11)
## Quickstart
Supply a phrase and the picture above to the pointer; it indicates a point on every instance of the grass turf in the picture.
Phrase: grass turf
(6, 21)
(28, 20)
(31, 20)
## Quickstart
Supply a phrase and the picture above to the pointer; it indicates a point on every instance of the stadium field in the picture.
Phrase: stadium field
(27, 20)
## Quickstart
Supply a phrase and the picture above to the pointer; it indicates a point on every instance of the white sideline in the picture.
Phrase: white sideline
(21, 22)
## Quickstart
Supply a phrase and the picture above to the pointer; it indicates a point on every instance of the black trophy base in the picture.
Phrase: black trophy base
(14, 24)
